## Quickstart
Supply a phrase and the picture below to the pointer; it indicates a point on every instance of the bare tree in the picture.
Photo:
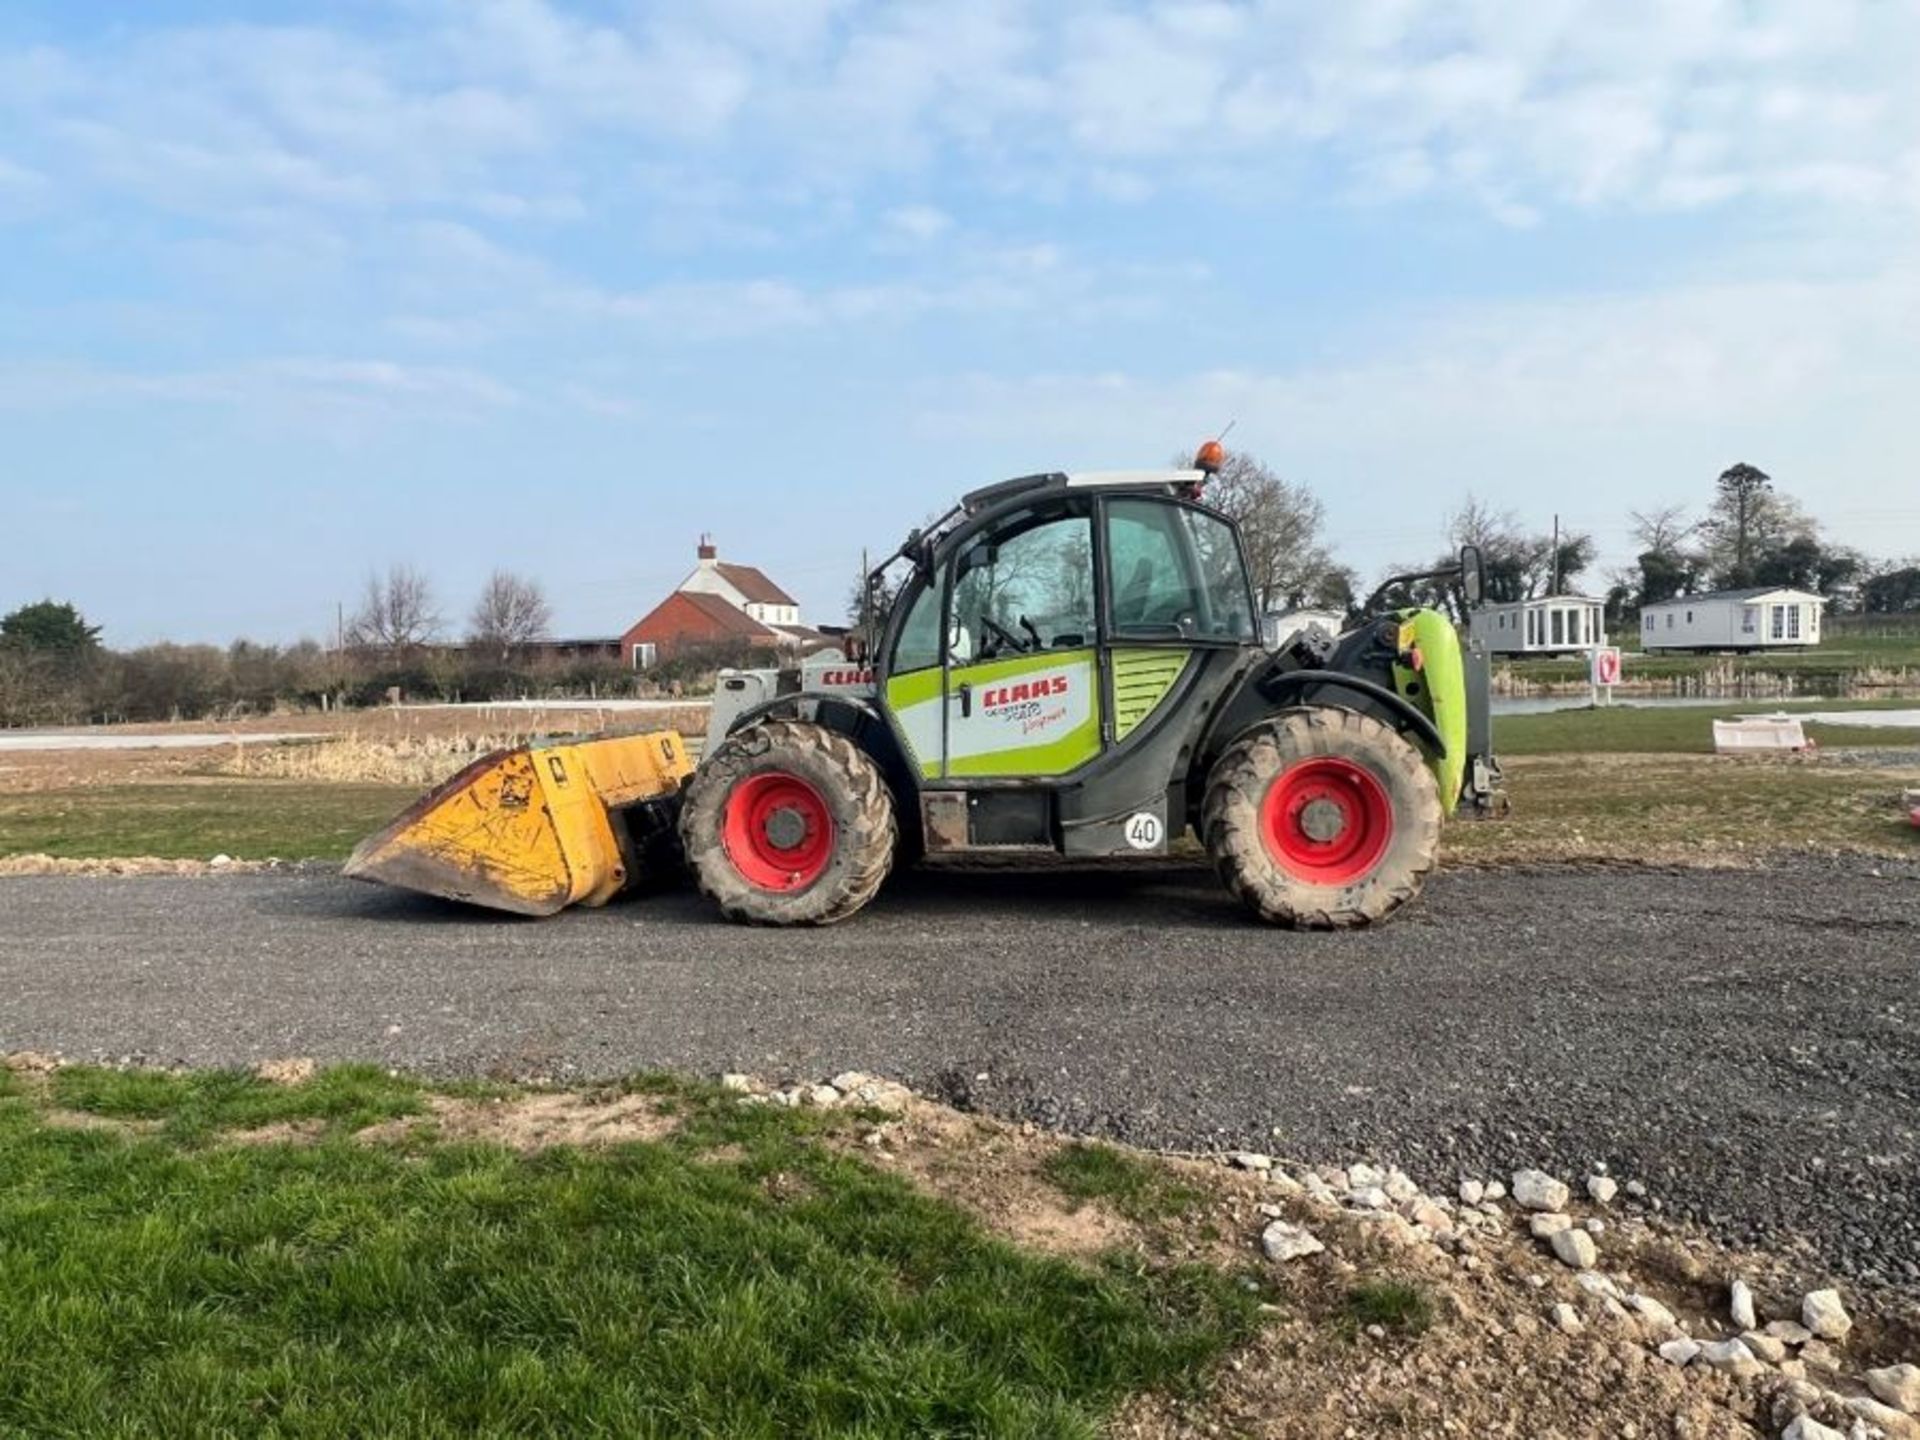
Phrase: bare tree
(1280, 524)
(396, 613)
(1518, 565)
(512, 611)
(1663, 529)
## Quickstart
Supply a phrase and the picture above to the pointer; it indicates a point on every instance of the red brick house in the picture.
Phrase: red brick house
(718, 605)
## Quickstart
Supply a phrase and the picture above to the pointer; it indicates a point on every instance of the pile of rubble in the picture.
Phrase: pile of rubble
(851, 1090)
(1796, 1360)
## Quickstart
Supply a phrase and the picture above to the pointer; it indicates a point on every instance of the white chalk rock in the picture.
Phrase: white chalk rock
(1283, 1242)
(1251, 1160)
(1545, 1227)
(1805, 1427)
(1732, 1356)
(1898, 1386)
(1680, 1352)
(1652, 1311)
(1741, 1305)
(1823, 1314)
(1765, 1347)
(1537, 1190)
(1566, 1319)
(1602, 1188)
(1575, 1249)
(1472, 1192)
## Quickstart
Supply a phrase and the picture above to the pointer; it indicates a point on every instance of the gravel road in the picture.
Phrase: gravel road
(1745, 1043)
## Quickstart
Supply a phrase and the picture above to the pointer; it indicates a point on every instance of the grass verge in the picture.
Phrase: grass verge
(247, 819)
(736, 1277)
(1392, 1305)
(1136, 1188)
(1675, 729)
(1688, 809)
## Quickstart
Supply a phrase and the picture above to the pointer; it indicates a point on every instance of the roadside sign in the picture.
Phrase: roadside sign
(1606, 665)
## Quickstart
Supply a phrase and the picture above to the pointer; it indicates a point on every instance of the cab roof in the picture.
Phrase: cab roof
(1170, 480)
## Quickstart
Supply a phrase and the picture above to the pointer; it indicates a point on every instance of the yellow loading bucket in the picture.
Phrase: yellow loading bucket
(531, 830)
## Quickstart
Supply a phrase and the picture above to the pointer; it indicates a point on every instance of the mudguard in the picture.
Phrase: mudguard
(1439, 688)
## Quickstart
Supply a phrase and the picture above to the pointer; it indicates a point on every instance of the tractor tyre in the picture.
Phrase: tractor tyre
(1322, 819)
(787, 823)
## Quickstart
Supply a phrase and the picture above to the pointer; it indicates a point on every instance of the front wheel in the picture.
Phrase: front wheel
(1321, 819)
(788, 823)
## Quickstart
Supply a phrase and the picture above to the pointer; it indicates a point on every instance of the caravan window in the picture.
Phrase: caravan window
(1793, 622)
(1777, 622)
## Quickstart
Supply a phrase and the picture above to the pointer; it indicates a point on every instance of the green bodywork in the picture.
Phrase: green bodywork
(1141, 680)
(1439, 689)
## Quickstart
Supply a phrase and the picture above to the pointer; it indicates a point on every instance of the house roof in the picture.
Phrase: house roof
(753, 584)
(1542, 600)
(727, 618)
(1751, 592)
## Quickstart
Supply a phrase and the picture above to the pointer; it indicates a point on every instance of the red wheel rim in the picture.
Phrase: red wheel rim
(1327, 820)
(778, 831)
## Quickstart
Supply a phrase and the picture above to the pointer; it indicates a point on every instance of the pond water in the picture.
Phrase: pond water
(1547, 704)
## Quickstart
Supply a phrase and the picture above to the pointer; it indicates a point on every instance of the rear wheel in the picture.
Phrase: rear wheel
(788, 823)
(1322, 818)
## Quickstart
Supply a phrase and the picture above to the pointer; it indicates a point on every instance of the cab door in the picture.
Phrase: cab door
(1023, 688)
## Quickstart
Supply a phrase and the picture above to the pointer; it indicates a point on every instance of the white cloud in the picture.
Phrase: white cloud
(917, 222)
(1521, 105)
(1584, 406)
(316, 386)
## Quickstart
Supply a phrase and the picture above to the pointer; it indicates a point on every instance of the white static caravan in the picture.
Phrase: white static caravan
(1762, 618)
(1544, 625)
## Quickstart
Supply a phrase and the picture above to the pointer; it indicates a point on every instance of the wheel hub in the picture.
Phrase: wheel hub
(786, 829)
(778, 831)
(1327, 820)
(1322, 820)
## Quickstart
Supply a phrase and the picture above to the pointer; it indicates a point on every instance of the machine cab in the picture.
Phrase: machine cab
(1049, 629)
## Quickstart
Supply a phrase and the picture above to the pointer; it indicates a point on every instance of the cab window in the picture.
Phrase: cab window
(1223, 576)
(919, 644)
(1174, 573)
(1027, 587)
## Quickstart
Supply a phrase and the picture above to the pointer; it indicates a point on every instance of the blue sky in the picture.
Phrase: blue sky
(291, 292)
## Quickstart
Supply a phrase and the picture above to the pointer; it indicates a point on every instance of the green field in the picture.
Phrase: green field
(1624, 728)
(171, 1270)
(315, 820)
(246, 819)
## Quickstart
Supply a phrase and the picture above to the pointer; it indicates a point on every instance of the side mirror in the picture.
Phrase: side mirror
(1473, 575)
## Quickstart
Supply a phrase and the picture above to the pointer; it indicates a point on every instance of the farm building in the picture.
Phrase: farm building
(1543, 625)
(719, 605)
(1762, 618)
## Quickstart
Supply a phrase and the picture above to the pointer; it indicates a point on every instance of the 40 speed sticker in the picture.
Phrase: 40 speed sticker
(1144, 830)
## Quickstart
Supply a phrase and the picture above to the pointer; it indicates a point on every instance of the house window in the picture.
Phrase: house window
(1669, 619)
(1748, 620)
(1689, 617)
(1777, 622)
(1559, 626)
(1793, 622)
(644, 654)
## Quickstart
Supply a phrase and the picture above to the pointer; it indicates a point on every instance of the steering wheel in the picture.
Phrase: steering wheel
(1006, 636)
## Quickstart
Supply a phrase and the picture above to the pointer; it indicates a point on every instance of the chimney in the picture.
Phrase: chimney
(708, 551)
